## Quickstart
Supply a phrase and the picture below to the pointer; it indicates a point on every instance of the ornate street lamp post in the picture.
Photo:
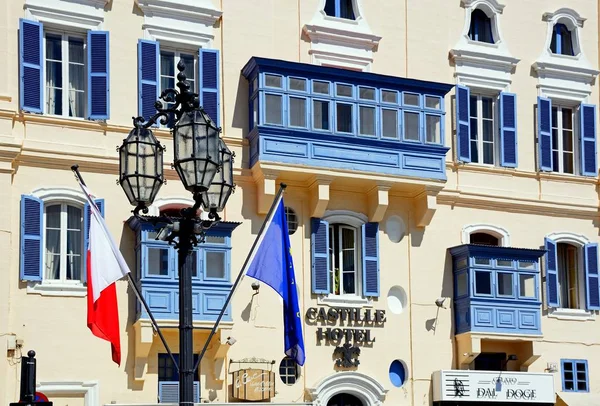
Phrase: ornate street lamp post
(205, 166)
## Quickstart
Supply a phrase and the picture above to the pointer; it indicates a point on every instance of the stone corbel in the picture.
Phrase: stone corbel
(378, 200)
(319, 196)
(425, 205)
(266, 189)
(525, 365)
(467, 348)
(220, 357)
(144, 336)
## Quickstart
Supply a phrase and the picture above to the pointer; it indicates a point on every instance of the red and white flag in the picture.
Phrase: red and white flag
(105, 265)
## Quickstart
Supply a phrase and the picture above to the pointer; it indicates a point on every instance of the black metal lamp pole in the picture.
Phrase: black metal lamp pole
(205, 166)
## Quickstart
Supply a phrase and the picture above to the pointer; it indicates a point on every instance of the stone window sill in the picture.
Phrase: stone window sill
(57, 289)
(345, 301)
(571, 314)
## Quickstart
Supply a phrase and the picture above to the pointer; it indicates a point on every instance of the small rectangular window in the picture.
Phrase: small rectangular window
(411, 99)
(432, 102)
(367, 120)
(158, 261)
(461, 284)
(389, 96)
(504, 282)
(411, 126)
(389, 125)
(215, 265)
(321, 115)
(344, 118)
(213, 239)
(527, 285)
(483, 283)
(526, 265)
(274, 109)
(433, 129)
(343, 90)
(298, 84)
(297, 112)
(273, 81)
(366, 93)
(321, 87)
(575, 376)
(482, 261)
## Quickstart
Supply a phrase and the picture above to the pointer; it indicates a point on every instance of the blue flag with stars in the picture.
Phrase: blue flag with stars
(272, 264)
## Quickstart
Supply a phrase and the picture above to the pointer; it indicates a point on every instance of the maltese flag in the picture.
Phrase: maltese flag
(105, 265)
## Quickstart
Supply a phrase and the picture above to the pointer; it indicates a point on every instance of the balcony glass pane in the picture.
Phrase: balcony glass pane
(366, 93)
(158, 261)
(483, 283)
(411, 126)
(321, 87)
(321, 115)
(411, 99)
(526, 285)
(215, 265)
(367, 120)
(273, 109)
(505, 263)
(297, 84)
(273, 81)
(389, 96)
(389, 123)
(505, 283)
(432, 102)
(343, 90)
(297, 112)
(434, 129)
(344, 117)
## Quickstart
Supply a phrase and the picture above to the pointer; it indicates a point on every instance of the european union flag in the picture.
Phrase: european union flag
(272, 264)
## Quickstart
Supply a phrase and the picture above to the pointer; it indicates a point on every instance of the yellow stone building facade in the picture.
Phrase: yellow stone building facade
(442, 171)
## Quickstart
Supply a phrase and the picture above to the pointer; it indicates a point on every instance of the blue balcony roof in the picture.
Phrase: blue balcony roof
(338, 74)
(492, 251)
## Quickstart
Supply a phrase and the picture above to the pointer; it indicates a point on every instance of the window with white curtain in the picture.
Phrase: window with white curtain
(66, 77)
(344, 258)
(64, 242)
(168, 71)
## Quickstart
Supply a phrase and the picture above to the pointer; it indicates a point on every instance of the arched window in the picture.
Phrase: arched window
(340, 9)
(63, 259)
(481, 27)
(483, 239)
(344, 399)
(562, 41)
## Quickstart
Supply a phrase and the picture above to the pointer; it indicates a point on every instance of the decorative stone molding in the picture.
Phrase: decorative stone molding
(60, 194)
(500, 233)
(181, 22)
(425, 205)
(565, 77)
(378, 199)
(341, 42)
(479, 64)
(266, 189)
(319, 195)
(367, 389)
(89, 390)
(81, 14)
(571, 238)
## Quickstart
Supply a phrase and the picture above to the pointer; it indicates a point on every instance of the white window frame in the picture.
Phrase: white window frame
(581, 314)
(500, 233)
(339, 253)
(49, 196)
(495, 118)
(559, 148)
(62, 280)
(352, 220)
(65, 34)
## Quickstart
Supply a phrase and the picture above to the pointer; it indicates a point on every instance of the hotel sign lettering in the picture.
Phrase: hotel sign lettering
(484, 386)
(253, 384)
(359, 319)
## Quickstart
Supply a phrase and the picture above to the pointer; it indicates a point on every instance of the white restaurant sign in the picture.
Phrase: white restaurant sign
(484, 386)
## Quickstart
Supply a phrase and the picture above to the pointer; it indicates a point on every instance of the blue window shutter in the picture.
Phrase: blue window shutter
(463, 142)
(370, 259)
(168, 392)
(86, 231)
(98, 79)
(320, 256)
(148, 54)
(544, 124)
(592, 280)
(32, 237)
(551, 274)
(210, 94)
(589, 166)
(508, 129)
(31, 90)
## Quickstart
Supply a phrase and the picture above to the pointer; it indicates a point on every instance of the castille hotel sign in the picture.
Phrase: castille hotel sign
(340, 324)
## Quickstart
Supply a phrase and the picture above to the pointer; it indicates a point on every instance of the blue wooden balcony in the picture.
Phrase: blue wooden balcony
(302, 114)
(157, 276)
(497, 289)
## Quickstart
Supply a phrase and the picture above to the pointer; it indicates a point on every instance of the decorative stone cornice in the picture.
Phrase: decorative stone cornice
(367, 389)
(200, 11)
(82, 14)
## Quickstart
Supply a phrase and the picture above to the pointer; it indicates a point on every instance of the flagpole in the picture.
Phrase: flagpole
(75, 169)
(282, 187)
